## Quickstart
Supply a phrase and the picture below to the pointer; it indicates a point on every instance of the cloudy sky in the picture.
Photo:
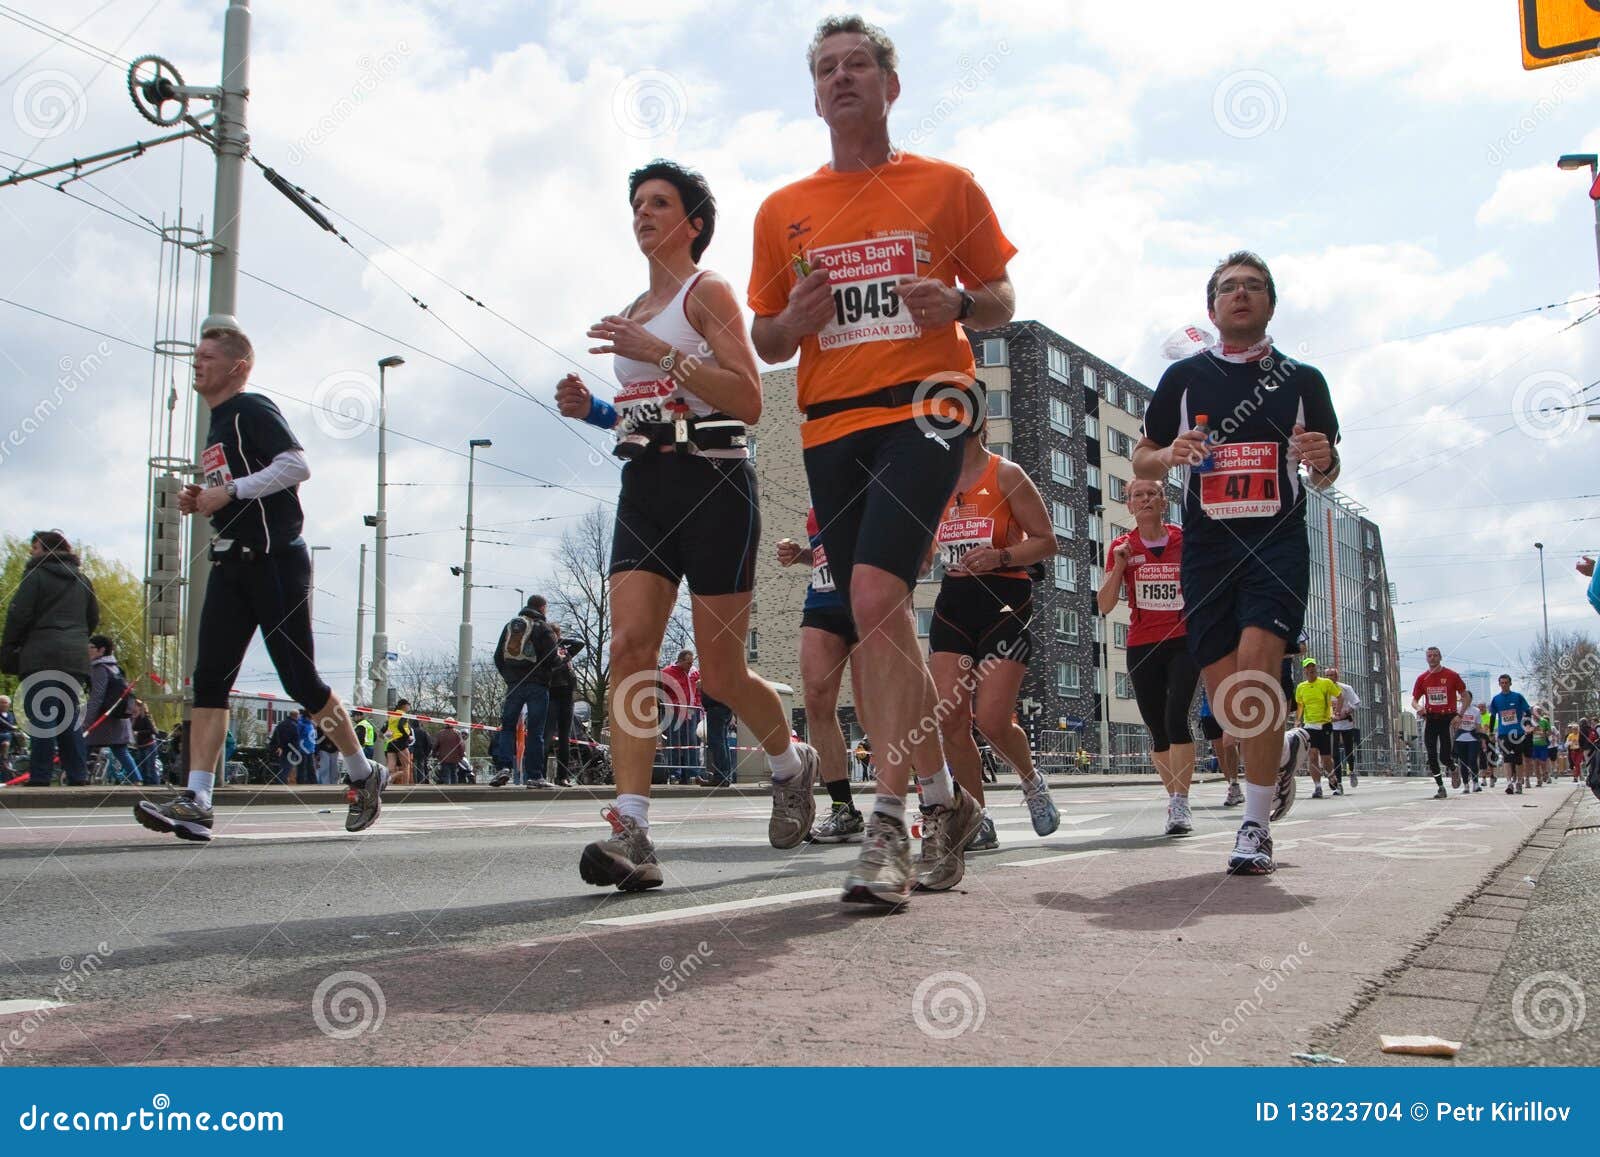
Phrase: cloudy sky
(1397, 170)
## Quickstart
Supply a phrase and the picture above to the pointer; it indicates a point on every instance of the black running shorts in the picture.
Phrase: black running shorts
(1231, 585)
(684, 516)
(834, 620)
(983, 617)
(1321, 735)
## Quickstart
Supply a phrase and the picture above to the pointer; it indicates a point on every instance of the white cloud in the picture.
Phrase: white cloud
(1527, 197)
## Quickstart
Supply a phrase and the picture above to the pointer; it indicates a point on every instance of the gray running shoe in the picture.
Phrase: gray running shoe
(1316, 792)
(1180, 820)
(984, 839)
(1235, 795)
(365, 803)
(1041, 808)
(1252, 851)
(840, 826)
(882, 874)
(1441, 793)
(180, 816)
(794, 802)
(946, 828)
(1294, 743)
(626, 860)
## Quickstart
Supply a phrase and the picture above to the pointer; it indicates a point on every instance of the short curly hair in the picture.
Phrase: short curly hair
(882, 46)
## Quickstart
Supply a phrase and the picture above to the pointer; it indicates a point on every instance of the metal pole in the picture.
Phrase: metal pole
(1105, 694)
(464, 649)
(380, 619)
(1545, 603)
(232, 143)
(1594, 175)
(361, 625)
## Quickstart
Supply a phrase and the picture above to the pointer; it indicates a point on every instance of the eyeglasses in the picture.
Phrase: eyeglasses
(1248, 284)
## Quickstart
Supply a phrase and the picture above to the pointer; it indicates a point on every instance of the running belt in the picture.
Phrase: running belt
(893, 397)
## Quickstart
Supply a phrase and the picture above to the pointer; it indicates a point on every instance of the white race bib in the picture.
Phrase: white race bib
(821, 572)
(214, 464)
(959, 537)
(1242, 481)
(1509, 717)
(642, 403)
(1437, 697)
(864, 277)
(1156, 587)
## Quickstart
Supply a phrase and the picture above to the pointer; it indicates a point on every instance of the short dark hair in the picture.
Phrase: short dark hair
(698, 203)
(104, 642)
(1507, 678)
(233, 341)
(1240, 257)
(399, 703)
(882, 46)
(537, 603)
(55, 544)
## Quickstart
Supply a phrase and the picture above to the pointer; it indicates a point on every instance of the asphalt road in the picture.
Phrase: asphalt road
(460, 933)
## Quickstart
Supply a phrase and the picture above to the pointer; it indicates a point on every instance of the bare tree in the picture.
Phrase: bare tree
(581, 603)
(1566, 675)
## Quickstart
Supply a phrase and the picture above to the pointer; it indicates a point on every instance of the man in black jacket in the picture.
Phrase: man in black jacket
(526, 658)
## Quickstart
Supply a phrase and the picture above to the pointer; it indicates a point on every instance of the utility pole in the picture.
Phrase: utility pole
(361, 625)
(464, 651)
(380, 621)
(1545, 604)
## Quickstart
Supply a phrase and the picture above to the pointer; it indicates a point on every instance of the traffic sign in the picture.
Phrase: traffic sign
(1558, 31)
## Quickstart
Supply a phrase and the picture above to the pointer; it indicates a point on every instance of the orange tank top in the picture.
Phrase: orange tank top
(979, 516)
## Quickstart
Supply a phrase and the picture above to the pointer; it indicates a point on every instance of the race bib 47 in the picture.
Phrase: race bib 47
(1242, 481)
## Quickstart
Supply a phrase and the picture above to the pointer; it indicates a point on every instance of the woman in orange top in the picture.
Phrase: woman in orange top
(994, 527)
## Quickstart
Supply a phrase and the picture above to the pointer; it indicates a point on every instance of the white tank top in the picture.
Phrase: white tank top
(645, 394)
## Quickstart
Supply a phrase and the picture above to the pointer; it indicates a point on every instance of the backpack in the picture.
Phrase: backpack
(116, 693)
(518, 644)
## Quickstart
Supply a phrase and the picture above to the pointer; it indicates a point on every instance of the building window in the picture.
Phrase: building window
(1372, 569)
(1066, 574)
(1091, 428)
(1099, 628)
(1119, 489)
(1061, 517)
(1174, 513)
(1377, 694)
(1377, 665)
(924, 621)
(1066, 625)
(1060, 466)
(1111, 393)
(1119, 636)
(999, 403)
(1060, 416)
(1001, 448)
(1068, 679)
(1372, 600)
(1095, 525)
(992, 352)
(1092, 477)
(1089, 379)
(1096, 577)
(1133, 403)
(1374, 632)
(752, 654)
(1369, 538)
(1124, 686)
(1056, 362)
(1118, 530)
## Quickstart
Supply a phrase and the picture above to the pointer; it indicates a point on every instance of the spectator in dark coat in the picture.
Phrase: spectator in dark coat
(563, 686)
(284, 747)
(451, 750)
(421, 753)
(524, 655)
(145, 739)
(109, 712)
(46, 642)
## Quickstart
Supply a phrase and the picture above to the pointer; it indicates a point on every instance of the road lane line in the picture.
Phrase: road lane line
(1057, 859)
(11, 1007)
(699, 910)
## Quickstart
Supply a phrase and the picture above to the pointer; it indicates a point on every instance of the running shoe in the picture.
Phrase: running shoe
(840, 826)
(1180, 820)
(1354, 779)
(984, 839)
(180, 816)
(1235, 795)
(501, 779)
(364, 797)
(1477, 787)
(946, 828)
(1317, 792)
(1294, 742)
(626, 860)
(1441, 793)
(1337, 789)
(794, 802)
(1511, 789)
(1519, 789)
(537, 784)
(1252, 851)
(1041, 808)
(882, 873)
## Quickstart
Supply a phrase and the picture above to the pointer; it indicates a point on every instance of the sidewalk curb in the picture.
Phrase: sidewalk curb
(1453, 965)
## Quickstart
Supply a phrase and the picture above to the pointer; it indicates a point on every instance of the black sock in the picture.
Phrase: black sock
(839, 792)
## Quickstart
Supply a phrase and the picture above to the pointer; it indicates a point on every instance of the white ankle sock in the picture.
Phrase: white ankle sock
(1177, 795)
(356, 766)
(786, 764)
(636, 808)
(938, 789)
(1258, 802)
(891, 805)
(201, 783)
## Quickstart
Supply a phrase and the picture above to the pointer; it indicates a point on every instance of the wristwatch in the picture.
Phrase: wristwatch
(967, 304)
(232, 488)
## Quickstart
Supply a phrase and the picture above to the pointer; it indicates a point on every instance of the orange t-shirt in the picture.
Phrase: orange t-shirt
(979, 516)
(913, 216)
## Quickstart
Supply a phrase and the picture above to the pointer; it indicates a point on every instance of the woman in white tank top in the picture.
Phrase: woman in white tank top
(685, 368)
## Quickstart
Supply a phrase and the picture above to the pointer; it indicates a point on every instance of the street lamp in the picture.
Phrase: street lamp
(1539, 546)
(1573, 162)
(380, 622)
(311, 596)
(464, 649)
(356, 696)
(1103, 661)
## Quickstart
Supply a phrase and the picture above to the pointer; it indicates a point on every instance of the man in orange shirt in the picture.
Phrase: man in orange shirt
(868, 269)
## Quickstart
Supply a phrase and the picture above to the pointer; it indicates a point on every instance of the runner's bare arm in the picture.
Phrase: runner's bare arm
(1111, 586)
(777, 338)
(1316, 451)
(934, 303)
(1028, 511)
(1151, 460)
(791, 552)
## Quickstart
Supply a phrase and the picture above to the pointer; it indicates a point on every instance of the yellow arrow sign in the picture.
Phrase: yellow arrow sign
(1558, 31)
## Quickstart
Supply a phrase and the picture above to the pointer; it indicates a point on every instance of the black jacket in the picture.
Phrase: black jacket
(541, 668)
(564, 679)
(50, 619)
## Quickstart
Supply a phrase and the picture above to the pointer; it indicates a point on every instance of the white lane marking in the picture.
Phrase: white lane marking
(314, 835)
(11, 1007)
(698, 910)
(1057, 859)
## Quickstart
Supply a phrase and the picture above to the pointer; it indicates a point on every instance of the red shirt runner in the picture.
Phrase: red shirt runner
(1441, 691)
(1151, 585)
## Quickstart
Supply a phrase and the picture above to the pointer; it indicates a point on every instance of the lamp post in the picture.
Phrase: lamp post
(464, 649)
(311, 598)
(1103, 662)
(1573, 162)
(361, 626)
(1545, 604)
(380, 622)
